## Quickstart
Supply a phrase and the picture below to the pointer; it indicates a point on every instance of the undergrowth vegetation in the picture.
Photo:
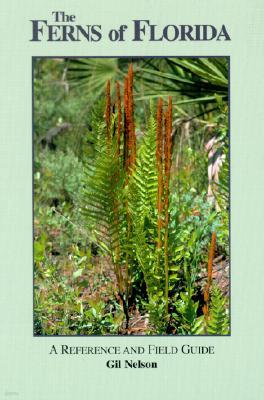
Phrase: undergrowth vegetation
(131, 197)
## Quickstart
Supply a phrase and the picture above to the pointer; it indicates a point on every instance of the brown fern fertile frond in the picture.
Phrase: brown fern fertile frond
(119, 117)
(129, 150)
(129, 125)
(159, 160)
(108, 113)
(209, 274)
(211, 257)
(168, 146)
(131, 115)
(126, 130)
(167, 161)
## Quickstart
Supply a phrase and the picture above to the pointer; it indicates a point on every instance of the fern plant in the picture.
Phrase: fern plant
(120, 206)
(142, 199)
(102, 201)
(106, 178)
(149, 196)
(126, 203)
(218, 319)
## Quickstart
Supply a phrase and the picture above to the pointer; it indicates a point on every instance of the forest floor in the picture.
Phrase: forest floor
(76, 286)
(103, 284)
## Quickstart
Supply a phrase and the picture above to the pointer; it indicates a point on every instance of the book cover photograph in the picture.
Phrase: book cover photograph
(131, 196)
(131, 200)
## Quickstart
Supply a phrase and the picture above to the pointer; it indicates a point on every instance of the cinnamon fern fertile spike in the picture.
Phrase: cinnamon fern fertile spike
(126, 130)
(129, 150)
(167, 161)
(108, 113)
(209, 275)
(211, 257)
(119, 117)
(131, 116)
(129, 125)
(159, 160)
(168, 144)
(115, 179)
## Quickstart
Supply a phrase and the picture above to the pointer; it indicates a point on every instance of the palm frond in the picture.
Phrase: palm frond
(92, 73)
(199, 80)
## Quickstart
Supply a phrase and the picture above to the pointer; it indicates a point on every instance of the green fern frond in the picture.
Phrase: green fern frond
(103, 205)
(187, 319)
(142, 191)
(142, 202)
(218, 320)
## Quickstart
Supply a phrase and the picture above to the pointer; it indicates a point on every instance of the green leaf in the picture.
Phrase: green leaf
(77, 273)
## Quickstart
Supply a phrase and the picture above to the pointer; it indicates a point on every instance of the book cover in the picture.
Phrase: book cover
(131, 201)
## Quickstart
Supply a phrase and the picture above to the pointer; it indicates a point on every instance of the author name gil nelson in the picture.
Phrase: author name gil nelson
(130, 364)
